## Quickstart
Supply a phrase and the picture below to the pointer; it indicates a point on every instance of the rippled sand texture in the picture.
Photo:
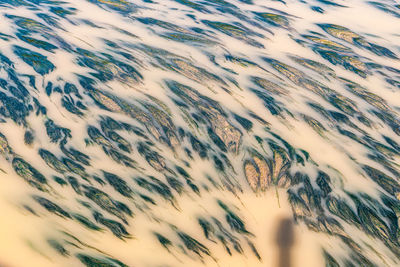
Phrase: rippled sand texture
(199, 133)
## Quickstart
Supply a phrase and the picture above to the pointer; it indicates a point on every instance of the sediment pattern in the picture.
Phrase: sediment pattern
(132, 133)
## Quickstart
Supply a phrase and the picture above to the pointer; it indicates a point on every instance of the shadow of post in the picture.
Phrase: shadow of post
(285, 240)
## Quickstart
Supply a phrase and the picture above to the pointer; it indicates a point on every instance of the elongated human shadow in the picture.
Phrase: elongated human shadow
(285, 238)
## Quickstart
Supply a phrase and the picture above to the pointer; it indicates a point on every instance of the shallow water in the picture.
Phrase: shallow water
(199, 133)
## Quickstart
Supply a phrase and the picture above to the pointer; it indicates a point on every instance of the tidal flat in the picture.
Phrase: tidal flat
(222, 133)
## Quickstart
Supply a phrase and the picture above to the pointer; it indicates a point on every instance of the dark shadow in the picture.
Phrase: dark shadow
(285, 240)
